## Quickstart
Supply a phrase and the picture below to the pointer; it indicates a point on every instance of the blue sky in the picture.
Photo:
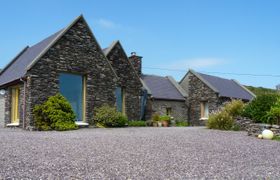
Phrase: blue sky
(239, 37)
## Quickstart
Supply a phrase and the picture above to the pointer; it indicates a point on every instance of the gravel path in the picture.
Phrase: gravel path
(137, 153)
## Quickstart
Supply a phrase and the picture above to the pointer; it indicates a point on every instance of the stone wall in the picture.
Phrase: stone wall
(243, 122)
(129, 80)
(76, 52)
(179, 109)
(199, 92)
(256, 129)
(2, 110)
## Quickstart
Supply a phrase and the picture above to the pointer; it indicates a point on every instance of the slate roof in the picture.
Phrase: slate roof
(16, 69)
(228, 88)
(162, 88)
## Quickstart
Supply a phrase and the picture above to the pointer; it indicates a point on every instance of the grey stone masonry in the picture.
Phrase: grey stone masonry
(2, 110)
(136, 62)
(129, 80)
(199, 92)
(75, 52)
(179, 110)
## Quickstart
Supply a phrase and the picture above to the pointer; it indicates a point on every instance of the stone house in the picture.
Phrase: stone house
(72, 63)
(2, 113)
(161, 95)
(165, 97)
(208, 93)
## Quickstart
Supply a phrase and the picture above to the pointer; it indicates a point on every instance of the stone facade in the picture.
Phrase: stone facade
(179, 110)
(75, 52)
(199, 92)
(2, 110)
(129, 80)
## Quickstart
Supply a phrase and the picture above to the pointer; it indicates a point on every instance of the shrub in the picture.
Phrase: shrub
(55, 114)
(110, 117)
(221, 120)
(258, 108)
(156, 117)
(273, 115)
(182, 124)
(165, 118)
(137, 123)
(234, 108)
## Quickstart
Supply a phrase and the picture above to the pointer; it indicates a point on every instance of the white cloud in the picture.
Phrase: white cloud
(197, 63)
(105, 23)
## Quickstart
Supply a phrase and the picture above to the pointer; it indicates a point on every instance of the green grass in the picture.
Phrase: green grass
(136, 123)
(276, 138)
(181, 124)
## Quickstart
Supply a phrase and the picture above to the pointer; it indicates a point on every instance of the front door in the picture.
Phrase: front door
(15, 105)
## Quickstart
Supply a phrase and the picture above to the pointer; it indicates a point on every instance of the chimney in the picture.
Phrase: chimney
(136, 61)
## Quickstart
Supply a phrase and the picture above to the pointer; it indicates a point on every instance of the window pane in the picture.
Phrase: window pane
(119, 99)
(71, 87)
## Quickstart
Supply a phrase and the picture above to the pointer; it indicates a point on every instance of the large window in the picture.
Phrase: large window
(72, 87)
(204, 110)
(120, 98)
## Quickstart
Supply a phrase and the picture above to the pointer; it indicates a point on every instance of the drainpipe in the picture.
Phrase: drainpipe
(24, 102)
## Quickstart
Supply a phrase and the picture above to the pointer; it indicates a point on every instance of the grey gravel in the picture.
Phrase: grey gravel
(137, 153)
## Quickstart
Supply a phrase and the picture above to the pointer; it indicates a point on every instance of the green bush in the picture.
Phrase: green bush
(156, 117)
(182, 124)
(221, 120)
(234, 108)
(137, 123)
(110, 117)
(259, 107)
(55, 114)
(165, 118)
(273, 115)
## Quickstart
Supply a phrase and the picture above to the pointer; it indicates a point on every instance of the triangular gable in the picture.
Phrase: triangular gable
(107, 51)
(23, 62)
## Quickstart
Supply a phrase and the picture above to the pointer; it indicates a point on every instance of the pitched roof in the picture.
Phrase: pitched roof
(17, 67)
(226, 87)
(162, 88)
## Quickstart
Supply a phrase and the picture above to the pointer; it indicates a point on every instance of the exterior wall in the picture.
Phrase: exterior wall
(136, 61)
(179, 109)
(8, 107)
(199, 92)
(2, 111)
(129, 80)
(76, 52)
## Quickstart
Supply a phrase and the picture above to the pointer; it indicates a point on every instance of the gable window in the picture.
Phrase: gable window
(204, 109)
(168, 111)
(72, 87)
(120, 99)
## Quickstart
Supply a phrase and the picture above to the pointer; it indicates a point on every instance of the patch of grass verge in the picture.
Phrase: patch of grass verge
(276, 138)
(136, 123)
(181, 124)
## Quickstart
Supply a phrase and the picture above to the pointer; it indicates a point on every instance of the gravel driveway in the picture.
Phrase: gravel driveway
(137, 153)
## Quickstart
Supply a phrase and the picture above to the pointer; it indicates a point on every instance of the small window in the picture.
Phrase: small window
(168, 111)
(204, 110)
